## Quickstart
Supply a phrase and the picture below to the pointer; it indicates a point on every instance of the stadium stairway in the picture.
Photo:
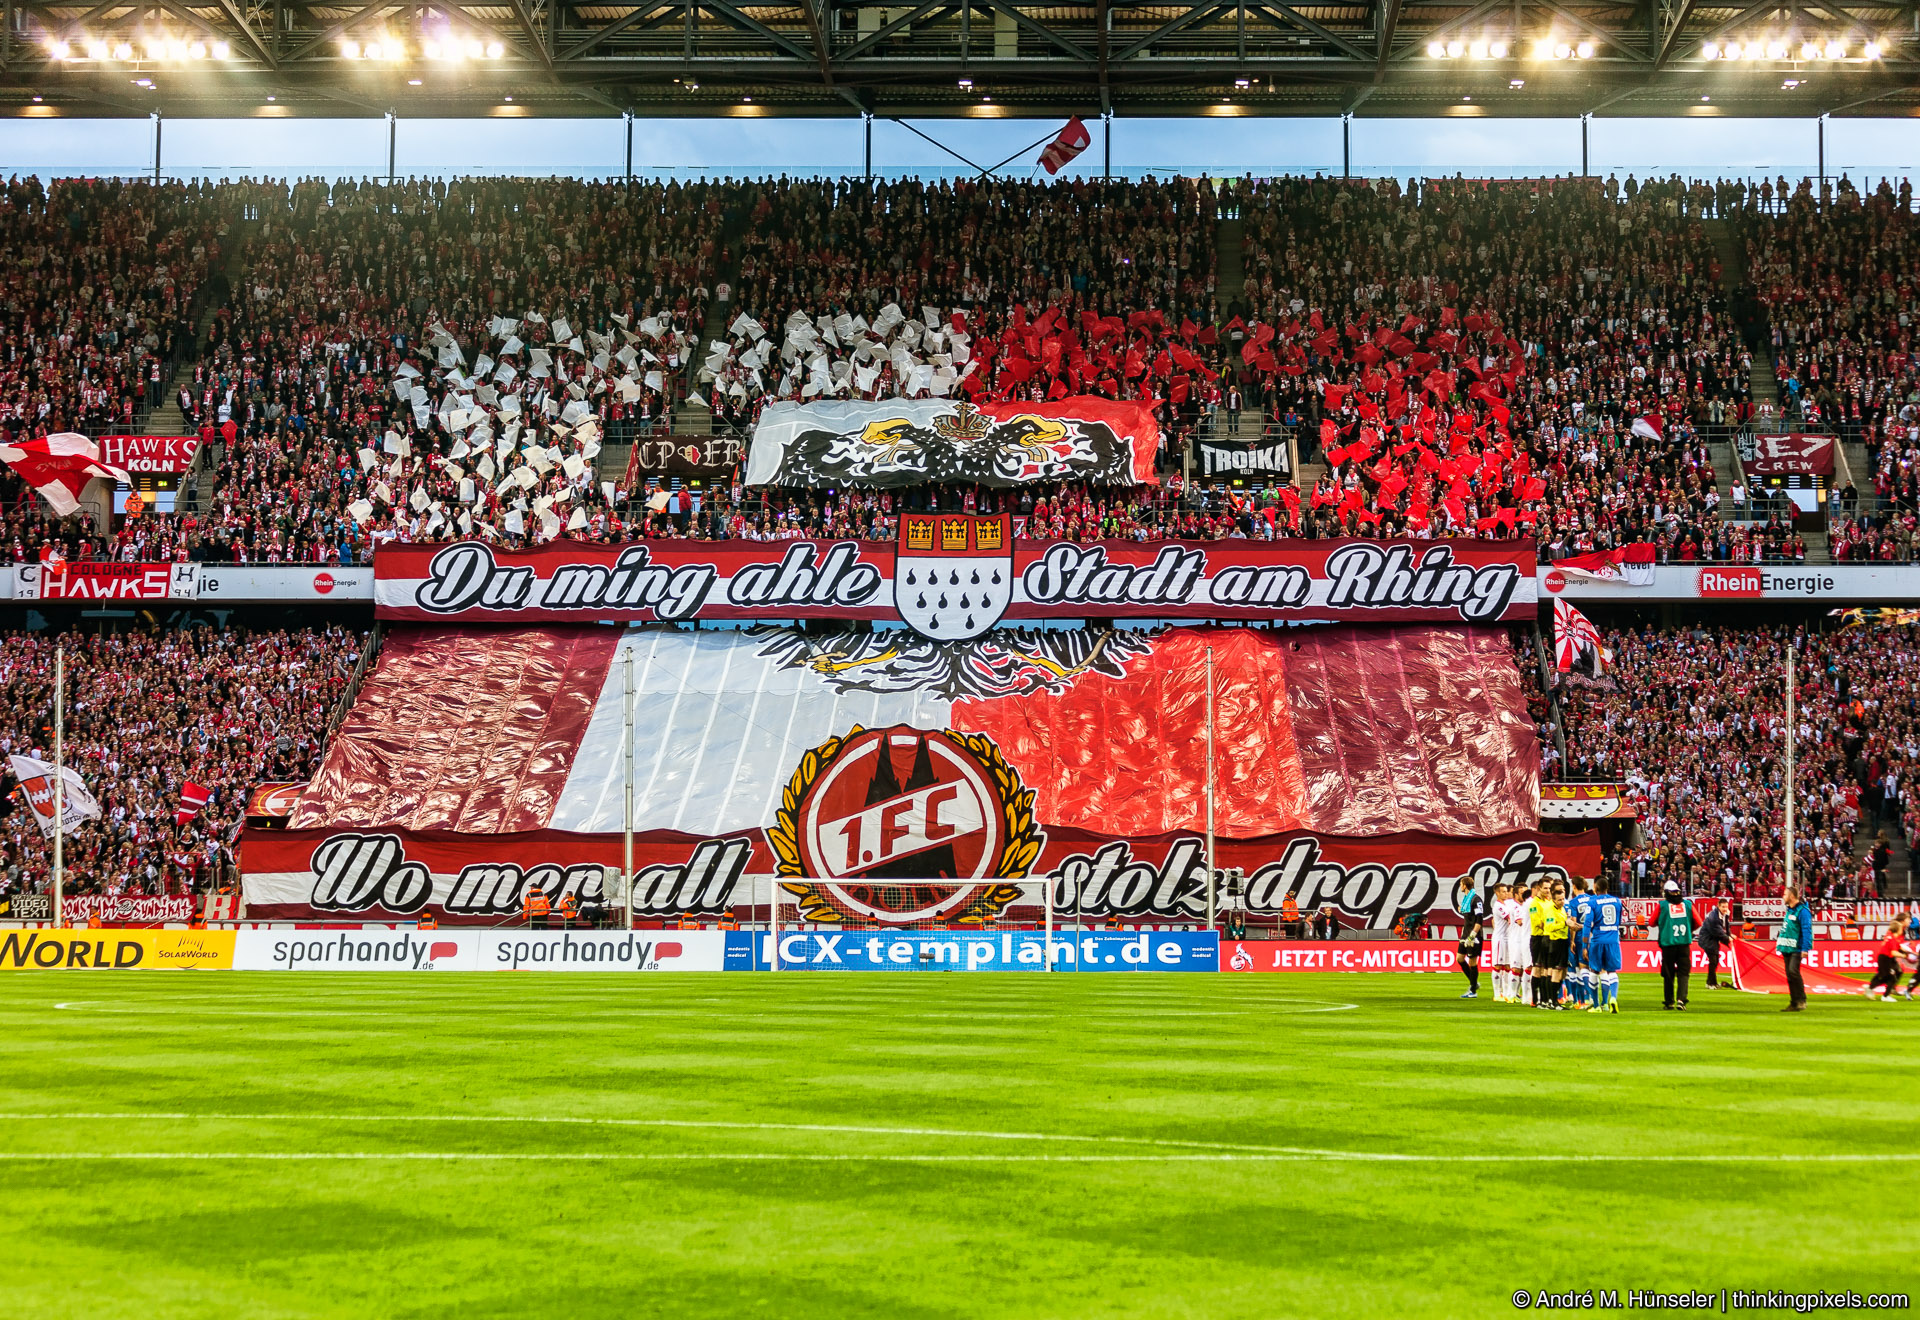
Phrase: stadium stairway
(1229, 263)
(196, 487)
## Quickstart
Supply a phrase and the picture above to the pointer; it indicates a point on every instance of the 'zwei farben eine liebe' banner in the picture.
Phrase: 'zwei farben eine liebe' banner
(954, 576)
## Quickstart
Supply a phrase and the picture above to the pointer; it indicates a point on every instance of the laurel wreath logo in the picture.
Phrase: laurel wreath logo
(1021, 848)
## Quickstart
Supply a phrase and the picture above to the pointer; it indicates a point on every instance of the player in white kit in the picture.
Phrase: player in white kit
(1520, 946)
(1497, 938)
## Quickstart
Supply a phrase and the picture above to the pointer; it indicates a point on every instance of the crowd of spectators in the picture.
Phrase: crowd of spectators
(148, 712)
(1541, 359)
(98, 279)
(1579, 342)
(1692, 720)
(1837, 276)
(999, 289)
(396, 353)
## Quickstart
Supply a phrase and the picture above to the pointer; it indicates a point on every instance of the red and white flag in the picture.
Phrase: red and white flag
(36, 783)
(1648, 428)
(1574, 636)
(192, 798)
(59, 466)
(1073, 140)
(1628, 564)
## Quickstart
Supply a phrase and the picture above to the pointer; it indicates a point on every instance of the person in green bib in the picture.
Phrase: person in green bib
(1674, 923)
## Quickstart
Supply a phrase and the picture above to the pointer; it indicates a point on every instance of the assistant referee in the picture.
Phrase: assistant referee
(1472, 910)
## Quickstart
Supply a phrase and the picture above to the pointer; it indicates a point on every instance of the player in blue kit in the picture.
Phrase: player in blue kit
(1608, 914)
(1580, 913)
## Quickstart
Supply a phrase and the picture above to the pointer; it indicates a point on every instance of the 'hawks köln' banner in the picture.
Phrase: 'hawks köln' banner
(898, 442)
(953, 576)
(889, 777)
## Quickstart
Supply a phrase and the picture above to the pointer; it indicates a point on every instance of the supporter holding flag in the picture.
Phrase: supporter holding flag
(1072, 140)
(1575, 639)
(36, 779)
(59, 466)
(192, 797)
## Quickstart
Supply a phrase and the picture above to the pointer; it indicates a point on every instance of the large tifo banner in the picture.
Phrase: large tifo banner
(957, 575)
(883, 777)
(896, 442)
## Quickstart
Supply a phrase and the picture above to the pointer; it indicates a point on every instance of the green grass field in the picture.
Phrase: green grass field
(261, 1144)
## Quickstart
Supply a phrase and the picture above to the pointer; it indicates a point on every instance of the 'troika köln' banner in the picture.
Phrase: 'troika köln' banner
(955, 576)
(897, 442)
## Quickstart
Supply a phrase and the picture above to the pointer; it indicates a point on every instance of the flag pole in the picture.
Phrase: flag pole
(626, 757)
(1789, 763)
(1210, 870)
(59, 779)
(1016, 155)
(1046, 958)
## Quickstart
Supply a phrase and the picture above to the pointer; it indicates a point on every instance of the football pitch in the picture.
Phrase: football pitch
(295, 1145)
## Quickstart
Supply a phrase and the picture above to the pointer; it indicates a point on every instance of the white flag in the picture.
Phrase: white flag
(36, 781)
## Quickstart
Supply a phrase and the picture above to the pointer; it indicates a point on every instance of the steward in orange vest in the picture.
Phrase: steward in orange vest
(535, 907)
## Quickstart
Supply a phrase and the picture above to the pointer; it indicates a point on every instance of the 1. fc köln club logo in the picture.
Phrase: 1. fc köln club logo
(901, 825)
(953, 574)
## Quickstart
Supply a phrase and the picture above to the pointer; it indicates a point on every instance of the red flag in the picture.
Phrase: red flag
(1073, 140)
(192, 797)
(59, 466)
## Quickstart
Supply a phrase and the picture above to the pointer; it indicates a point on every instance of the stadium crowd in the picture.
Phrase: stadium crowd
(96, 305)
(1692, 720)
(148, 712)
(1545, 359)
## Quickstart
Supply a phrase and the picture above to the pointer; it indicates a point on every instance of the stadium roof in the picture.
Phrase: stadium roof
(970, 58)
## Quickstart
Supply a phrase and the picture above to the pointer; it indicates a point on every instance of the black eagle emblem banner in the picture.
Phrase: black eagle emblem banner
(897, 442)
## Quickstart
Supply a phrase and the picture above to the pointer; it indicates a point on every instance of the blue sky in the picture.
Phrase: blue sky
(1701, 146)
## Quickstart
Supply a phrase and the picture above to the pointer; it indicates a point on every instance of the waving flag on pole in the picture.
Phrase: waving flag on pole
(1629, 564)
(192, 798)
(59, 466)
(36, 782)
(1574, 637)
(1648, 428)
(1073, 140)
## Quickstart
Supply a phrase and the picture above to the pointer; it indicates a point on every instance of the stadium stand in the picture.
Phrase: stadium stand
(149, 711)
(102, 283)
(1564, 360)
(1689, 721)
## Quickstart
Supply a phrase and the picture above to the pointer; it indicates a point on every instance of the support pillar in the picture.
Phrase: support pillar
(393, 143)
(1346, 146)
(628, 116)
(156, 146)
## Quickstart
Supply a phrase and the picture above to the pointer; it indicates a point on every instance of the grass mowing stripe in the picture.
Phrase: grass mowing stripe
(801, 1157)
(860, 1175)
